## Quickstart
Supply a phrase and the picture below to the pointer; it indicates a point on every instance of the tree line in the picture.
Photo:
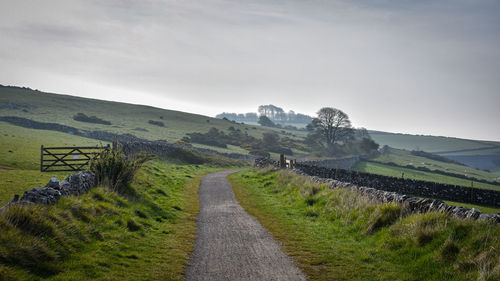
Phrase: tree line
(274, 113)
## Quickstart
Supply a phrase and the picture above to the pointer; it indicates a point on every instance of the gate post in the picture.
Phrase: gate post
(282, 161)
(41, 158)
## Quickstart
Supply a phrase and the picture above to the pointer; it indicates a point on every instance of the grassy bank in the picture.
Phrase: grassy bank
(341, 235)
(103, 236)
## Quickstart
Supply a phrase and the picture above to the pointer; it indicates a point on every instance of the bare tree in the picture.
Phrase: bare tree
(332, 125)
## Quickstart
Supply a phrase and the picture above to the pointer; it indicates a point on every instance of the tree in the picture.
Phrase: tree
(266, 122)
(368, 145)
(331, 125)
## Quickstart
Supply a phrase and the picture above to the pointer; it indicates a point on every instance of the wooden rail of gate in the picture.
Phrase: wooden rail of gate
(58, 159)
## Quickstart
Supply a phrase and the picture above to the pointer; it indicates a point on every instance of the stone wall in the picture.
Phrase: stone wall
(412, 204)
(166, 149)
(265, 162)
(131, 143)
(341, 163)
(75, 184)
(407, 186)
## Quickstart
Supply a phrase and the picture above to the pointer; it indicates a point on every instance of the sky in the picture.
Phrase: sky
(419, 67)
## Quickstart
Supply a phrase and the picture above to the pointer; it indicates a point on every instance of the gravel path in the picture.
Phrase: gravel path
(232, 245)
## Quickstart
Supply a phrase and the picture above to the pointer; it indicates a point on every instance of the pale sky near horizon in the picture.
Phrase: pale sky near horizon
(420, 67)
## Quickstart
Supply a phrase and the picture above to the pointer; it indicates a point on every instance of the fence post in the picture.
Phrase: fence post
(41, 158)
(282, 161)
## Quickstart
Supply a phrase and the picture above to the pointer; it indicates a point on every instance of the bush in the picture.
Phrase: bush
(92, 119)
(156, 123)
(115, 171)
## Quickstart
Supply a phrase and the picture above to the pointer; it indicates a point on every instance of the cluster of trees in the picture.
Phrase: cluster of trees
(330, 133)
(239, 117)
(270, 142)
(274, 113)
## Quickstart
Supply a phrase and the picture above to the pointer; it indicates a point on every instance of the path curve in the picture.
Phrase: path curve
(232, 245)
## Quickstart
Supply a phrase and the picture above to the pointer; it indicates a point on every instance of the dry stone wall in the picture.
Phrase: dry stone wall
(166, 149)
(412, 204)
(131, 143)
(75, 184)
(407, 186)
(337, 178)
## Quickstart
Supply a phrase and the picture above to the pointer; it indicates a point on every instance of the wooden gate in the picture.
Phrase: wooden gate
(56, 159)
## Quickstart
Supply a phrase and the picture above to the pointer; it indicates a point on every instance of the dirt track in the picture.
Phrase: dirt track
(232, 245)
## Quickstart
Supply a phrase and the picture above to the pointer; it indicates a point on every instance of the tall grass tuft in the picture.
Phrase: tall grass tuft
(383, 216)
(116, 171)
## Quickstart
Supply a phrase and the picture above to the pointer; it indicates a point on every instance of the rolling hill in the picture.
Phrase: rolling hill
(475, 153)
(152, 123)
(144, 122)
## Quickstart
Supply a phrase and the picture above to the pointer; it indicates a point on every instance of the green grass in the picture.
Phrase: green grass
(25, 145)
(99, 235)
(102, 236)
(404, 157)
(20, 169)
(386, 170)
(428, 143)
(340, 235)
(125, 118)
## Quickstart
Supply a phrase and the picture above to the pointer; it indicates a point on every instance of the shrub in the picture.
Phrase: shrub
(156, 123)
(90, 119)
(114, 170)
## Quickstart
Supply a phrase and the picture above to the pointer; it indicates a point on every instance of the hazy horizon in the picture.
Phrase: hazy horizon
(416, 67)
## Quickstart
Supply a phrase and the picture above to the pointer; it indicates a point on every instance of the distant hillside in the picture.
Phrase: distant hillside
(474, 153)
(160, 124)
(144, 122)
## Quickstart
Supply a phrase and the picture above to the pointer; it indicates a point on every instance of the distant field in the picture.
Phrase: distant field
(475, 153)
(404, 157)
(428, 143)
(386, 170)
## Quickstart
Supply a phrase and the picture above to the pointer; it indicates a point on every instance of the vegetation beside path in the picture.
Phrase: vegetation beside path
(341, 235)
(104, 236)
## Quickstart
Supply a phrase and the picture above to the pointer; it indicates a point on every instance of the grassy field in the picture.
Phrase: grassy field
(124, 118)
(386, 170)
(404, 157)
(20, 157)
(428, 143)
(474, 153)
(340, 235)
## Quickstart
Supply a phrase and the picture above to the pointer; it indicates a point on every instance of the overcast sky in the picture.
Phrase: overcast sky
(422, 67)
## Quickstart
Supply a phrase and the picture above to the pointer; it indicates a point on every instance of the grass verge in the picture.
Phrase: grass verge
(336, 234)
(103, 236)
